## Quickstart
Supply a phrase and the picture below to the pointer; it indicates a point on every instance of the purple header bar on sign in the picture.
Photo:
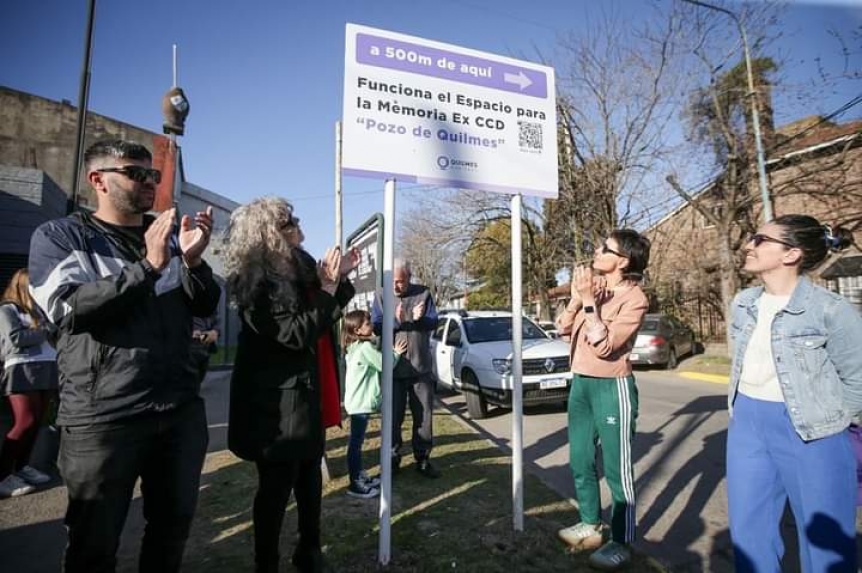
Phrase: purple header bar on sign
(427, 61)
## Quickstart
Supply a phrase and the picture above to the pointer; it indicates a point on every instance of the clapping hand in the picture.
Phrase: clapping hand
(328, 269)
(350, 262)
(418, 311)
(194, 240)
(157, 238)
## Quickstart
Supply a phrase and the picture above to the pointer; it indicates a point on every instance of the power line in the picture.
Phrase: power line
(850, 104)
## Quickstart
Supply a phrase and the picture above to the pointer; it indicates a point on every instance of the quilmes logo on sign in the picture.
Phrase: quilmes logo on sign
(451, 164)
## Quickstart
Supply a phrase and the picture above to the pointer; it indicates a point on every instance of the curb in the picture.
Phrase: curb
(714, 378)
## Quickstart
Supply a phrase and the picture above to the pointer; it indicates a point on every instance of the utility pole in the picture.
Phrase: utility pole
(755, 114)
(339, 232)
(83, 98)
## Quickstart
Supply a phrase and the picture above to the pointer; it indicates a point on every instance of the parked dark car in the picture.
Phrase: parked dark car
(662, 340)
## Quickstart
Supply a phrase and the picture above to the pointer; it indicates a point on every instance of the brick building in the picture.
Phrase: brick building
(37, 145)
(814, 168)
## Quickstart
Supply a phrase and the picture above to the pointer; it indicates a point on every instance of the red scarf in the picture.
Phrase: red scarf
(330, 401)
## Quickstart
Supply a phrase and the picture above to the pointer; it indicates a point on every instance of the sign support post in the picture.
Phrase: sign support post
(387, 335)
(517, 370)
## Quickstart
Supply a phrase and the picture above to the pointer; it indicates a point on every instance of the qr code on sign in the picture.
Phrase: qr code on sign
(530, 135)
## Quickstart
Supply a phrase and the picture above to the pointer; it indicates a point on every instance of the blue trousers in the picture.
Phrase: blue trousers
(358, 425)
(769, 464)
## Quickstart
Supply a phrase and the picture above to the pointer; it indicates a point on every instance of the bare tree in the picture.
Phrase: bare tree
(721, 137)
(615, 105)
(434, 247)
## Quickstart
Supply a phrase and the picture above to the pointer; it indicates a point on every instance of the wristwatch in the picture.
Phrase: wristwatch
(589, 309)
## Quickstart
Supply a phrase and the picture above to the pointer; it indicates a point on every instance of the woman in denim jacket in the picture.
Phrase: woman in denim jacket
(795, 387)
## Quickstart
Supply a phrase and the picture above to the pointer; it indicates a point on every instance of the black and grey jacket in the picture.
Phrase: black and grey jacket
(20, 341)
(124, 329)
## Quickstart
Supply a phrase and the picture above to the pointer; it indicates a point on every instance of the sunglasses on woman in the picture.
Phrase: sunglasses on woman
(607, 250)
(759, 238)
(136, 173)
(291, 221)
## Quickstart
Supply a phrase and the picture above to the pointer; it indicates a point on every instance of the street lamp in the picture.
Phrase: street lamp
(755, 114)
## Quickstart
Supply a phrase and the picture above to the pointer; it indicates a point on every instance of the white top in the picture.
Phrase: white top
(759, 379)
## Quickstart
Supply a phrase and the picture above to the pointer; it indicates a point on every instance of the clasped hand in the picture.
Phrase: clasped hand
(586, 286)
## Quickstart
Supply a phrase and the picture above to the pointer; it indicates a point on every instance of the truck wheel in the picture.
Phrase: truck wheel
(477, 407)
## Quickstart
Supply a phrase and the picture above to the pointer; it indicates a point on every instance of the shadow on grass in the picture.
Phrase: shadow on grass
(461, 521)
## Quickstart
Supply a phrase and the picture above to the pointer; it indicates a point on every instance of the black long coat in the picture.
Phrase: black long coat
(275, 402)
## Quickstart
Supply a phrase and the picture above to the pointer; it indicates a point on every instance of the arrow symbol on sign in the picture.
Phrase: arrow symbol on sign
(519, 79)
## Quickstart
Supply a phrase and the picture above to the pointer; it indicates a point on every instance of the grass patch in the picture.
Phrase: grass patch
(708, 364)
(459, 522)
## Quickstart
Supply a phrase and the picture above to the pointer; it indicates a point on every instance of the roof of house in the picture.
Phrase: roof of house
(821, 135)
(846, 266)
(814, 136)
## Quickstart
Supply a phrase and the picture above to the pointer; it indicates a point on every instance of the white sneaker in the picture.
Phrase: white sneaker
(33, 476)
(582, 536)
(13, 486)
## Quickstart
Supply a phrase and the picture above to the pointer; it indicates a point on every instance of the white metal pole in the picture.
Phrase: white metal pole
(175, 65)
(384, 549)
(339, 232)
(517, 371)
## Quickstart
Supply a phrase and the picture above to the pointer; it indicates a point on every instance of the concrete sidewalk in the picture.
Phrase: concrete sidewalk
(32, 535)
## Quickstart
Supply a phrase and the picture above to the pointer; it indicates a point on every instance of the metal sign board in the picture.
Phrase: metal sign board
(422, 111)
(368, 276)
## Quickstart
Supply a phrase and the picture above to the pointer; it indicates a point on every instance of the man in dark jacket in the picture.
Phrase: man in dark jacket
(122, 287)
(412, 379)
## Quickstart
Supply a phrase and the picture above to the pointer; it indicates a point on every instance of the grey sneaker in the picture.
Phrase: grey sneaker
(611, 556)
(582, 536)
(362, 490)
(13, 486)
(370, 481)
(33, 476)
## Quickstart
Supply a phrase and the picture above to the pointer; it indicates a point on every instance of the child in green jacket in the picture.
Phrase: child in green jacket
(362, 394)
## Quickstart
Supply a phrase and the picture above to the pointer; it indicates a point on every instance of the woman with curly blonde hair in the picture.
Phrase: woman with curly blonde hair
(284, 388)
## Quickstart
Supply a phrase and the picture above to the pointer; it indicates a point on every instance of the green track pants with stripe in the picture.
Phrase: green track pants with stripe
(604, 410)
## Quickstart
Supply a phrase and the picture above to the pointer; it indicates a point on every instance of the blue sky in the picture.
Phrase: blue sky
(265, 78)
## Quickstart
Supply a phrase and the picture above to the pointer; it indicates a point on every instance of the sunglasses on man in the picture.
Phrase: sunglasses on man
(759, 238)
(136, 173)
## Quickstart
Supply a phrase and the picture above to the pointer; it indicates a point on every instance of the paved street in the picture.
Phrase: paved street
(679, 453)
(679, 469)
(32, 536)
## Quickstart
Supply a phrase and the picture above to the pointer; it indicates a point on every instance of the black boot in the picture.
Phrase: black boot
(310, 561)
(424, 467)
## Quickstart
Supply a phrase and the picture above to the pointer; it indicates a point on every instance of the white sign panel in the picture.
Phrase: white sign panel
(426, 112)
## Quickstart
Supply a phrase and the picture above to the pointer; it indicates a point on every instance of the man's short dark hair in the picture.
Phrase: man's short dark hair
(118, 149)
